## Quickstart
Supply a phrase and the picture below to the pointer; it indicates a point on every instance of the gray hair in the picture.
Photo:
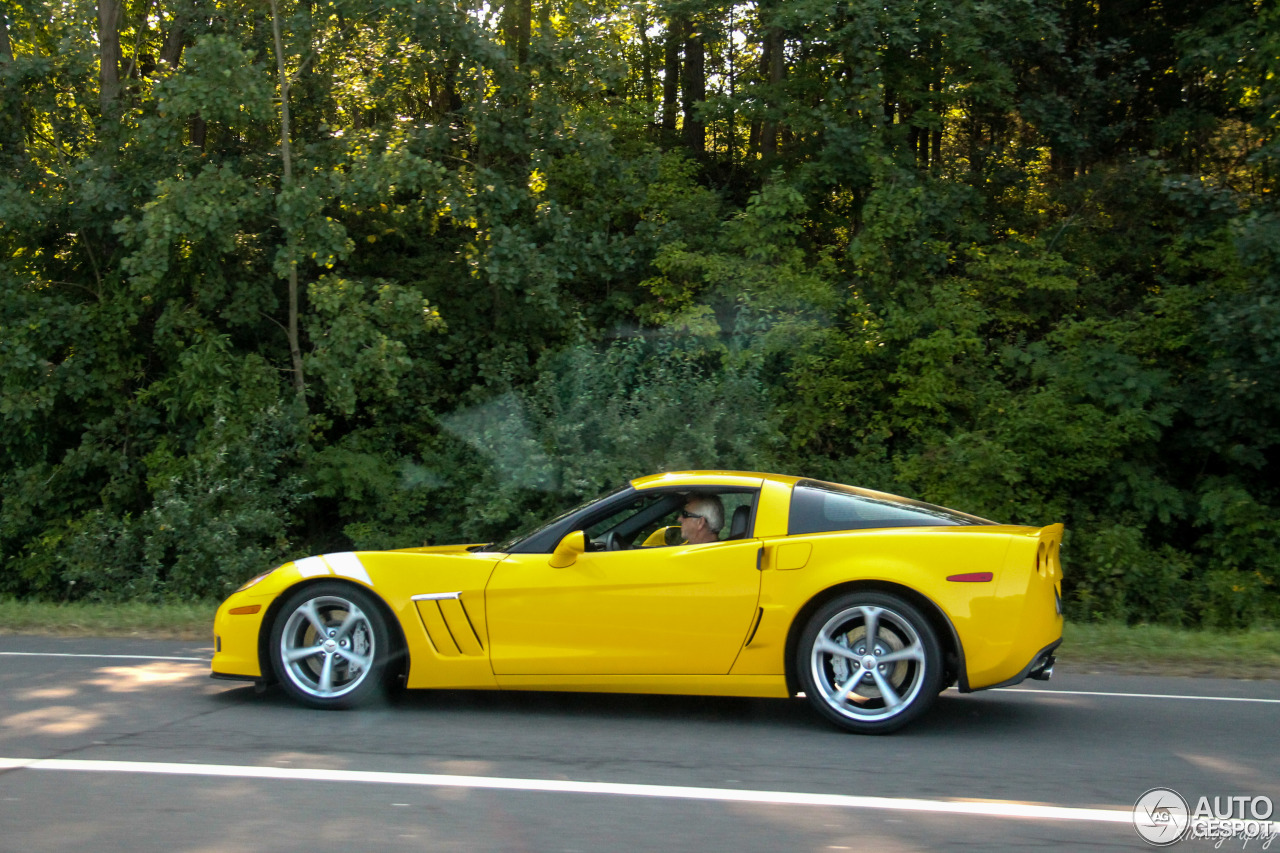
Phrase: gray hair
(710, 507)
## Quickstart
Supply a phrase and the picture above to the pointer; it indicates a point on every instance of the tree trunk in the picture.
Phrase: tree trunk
(939, 109)
(174, 40)
(6, 49)
(646, 61)
(199, 129)
(286, 159)
(977, 161)
(671, 72)
(524, 28)
(453, 96)
(452, 100)
(771, 68)
(731, 120)
(507, 27)
(109, 55)
(515, 23)
(694, 84)
(11, 128)
(140, 62)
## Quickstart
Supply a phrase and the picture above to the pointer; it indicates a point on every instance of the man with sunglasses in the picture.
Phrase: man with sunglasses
(701, 519)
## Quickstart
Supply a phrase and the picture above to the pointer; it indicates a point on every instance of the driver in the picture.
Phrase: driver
(701, 519)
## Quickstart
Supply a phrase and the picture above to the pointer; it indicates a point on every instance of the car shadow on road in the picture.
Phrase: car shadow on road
(980, 714)
(973, 714)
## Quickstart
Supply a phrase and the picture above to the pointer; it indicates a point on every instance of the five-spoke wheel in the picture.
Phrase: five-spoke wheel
(329, 645)
(870, 662)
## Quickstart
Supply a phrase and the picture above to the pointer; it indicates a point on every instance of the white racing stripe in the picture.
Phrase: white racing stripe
(999, 809)
(348, 565)
(311, 567)
(107, 657)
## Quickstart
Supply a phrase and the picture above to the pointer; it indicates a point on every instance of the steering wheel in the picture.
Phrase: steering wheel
(612, 541)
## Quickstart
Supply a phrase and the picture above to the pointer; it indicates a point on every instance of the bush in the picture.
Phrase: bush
(217, 517)
(1113, 574)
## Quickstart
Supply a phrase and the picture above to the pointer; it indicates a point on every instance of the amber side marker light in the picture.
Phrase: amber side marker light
(971, 577)
(246, 610)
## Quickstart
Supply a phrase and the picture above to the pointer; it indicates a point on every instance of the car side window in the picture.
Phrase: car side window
(738, 507)
(816, 509)
(653, 521)
(600, 526)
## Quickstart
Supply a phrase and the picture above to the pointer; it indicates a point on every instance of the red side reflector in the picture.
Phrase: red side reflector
(972, 577)
(254, 608)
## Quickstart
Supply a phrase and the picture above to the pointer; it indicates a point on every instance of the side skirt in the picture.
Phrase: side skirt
(758, 686)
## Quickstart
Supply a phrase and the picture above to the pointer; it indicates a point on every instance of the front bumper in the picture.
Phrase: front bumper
(235, 638)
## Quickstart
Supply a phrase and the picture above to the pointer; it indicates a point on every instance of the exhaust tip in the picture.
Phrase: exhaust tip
(1044, 671)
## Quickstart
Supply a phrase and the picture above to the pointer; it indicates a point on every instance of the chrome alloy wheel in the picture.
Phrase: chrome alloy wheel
(327, 646)
(869, 663)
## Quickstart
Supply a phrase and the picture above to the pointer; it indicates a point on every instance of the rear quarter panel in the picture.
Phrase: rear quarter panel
(1000, 624)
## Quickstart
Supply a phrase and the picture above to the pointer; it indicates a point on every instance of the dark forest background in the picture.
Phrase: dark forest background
(283, 277)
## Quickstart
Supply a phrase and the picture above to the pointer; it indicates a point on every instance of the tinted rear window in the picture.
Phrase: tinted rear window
(822, 508)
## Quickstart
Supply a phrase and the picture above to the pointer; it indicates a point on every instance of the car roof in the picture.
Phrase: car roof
(754, 479)
(751, 479)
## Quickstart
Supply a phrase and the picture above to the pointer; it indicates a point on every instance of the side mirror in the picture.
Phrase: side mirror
(566, 553)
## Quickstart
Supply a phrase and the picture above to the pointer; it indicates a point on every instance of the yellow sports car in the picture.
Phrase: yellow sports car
(720, 583)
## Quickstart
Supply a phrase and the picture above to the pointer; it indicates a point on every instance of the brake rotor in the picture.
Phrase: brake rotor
(332, 617)
(855, 639)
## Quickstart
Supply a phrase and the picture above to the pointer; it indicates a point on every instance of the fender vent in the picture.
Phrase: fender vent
(449, 627)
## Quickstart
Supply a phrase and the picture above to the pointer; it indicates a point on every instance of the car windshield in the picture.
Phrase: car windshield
(525, 534)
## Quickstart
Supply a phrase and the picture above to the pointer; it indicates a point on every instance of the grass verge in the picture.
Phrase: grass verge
(184, 621)
(1086, 647)
(1162, 650)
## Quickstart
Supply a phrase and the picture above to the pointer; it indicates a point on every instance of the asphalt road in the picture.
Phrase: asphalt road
(147, 753)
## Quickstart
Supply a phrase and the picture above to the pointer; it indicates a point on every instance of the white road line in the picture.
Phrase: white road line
(1038, 690)
(107, 657)
(1000, 809)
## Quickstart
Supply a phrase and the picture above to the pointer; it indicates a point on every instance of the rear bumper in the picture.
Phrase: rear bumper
(1039, 668)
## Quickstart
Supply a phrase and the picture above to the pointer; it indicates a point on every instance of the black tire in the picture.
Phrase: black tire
(913, 674)
(344, 668)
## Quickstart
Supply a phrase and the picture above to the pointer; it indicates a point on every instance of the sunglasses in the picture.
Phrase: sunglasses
(684, 513)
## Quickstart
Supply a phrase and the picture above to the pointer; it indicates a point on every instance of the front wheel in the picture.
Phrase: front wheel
(329, 645)
(870, 662)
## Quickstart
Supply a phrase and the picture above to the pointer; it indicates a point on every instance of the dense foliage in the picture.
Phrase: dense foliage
(280, 277)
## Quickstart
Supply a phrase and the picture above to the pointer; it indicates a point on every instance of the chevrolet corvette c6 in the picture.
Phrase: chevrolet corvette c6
(700, 582)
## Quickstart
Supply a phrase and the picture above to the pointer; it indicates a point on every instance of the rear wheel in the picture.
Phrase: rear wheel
(870, 662)
(330, 646)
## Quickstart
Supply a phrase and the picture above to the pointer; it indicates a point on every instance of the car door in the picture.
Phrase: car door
(678, 610)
